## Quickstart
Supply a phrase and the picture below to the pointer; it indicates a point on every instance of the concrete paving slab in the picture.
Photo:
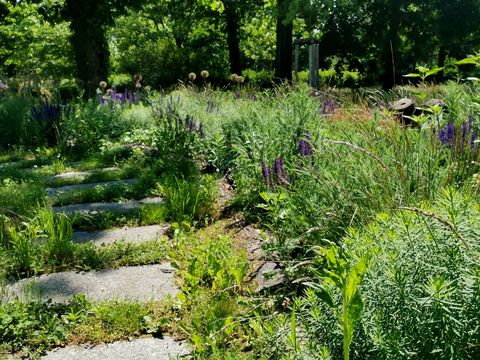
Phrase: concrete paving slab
(139, 349)
(135, 283)
(94, 208)
(80, 175)
(56, 191)
(133, 235)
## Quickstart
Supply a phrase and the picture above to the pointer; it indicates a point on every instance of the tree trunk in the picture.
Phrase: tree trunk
(392, 45)
(283, 55)
(232, 21)
(89, 43)
(442, 56)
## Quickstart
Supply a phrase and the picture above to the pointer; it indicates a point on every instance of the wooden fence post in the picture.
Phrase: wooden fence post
(297, 60)
(314, 64)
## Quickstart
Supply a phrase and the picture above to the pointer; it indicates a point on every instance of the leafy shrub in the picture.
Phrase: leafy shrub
(261, 78)
(420, 290)
(14, 112)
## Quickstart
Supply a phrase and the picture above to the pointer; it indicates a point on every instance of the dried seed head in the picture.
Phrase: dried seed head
(192, 76)
(102, 84)
(204, 74)
(138, 85)
(137, 78)
(241, 79)
(234, 77)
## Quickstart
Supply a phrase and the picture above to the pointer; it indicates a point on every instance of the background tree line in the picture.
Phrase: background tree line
(90, 40)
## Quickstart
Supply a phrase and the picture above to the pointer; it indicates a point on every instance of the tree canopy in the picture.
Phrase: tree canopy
(164, 40)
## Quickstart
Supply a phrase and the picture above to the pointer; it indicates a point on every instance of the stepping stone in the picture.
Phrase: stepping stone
(52, 192)
(7, 164)
(80, 175)
(94, 208)
(139, 349)
(134, 235)
(135, 283)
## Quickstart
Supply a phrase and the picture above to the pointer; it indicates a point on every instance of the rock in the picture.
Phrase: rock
(268, 276)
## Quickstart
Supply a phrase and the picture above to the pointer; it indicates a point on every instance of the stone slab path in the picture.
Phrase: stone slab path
(93, 208)
(139, 349)
(80, 175)
(138, 283)
(52, 192)
(134, 235)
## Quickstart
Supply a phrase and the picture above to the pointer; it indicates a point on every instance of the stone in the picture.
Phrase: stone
(133, 235)
(93, 208)
(135, 283)
(56, 191)
(138, 349)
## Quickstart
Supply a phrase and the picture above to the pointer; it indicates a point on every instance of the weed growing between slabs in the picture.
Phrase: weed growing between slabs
(33, 327)
(45, 245)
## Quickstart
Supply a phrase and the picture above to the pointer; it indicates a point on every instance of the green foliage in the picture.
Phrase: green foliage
(33, 327)
(37, 326)
(189, 199)
(14, 113)
(340, 276)
(33, 46)
(20, 197)
(57, 235)
(213, 274)
(424, 72)
(421, 283)
(116, 320)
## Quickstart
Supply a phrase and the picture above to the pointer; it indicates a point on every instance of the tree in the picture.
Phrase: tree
(284, 49)
(32, 44)
(89, 22)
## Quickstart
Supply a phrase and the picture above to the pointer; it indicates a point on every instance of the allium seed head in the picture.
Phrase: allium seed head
(192, 76)
(204, 74)
(103, 84)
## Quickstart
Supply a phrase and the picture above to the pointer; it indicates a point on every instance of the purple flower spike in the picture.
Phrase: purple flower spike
(450, 132)
(279, 170)
(325, 105)
(266, 172)
(464, 131)
(443, 136)
(333, 105)
(304, 147)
